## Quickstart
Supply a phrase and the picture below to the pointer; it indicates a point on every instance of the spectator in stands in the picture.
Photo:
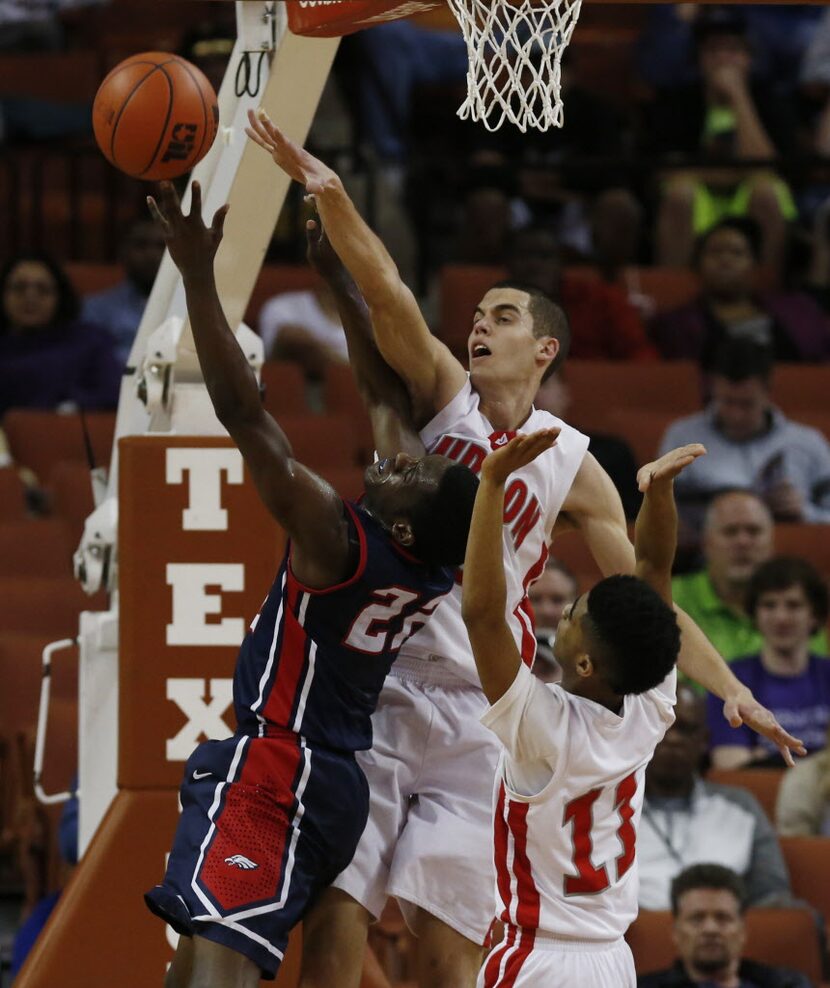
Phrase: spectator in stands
(728, 307)
(708, 902)
(725, 119)
(687, 820)
(802, 808)
(48, 358)
(549, 596)
(119, 309)
(613, 453)
(737, 538)
(304, 327)
(604, 325)
(787, 600)
(751, 444)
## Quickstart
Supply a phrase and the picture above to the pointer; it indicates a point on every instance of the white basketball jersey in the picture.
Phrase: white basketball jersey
(533, 497)
(568, 799)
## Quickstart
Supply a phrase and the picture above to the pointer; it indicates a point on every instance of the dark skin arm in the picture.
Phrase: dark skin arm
(384, 393)
(306, 506)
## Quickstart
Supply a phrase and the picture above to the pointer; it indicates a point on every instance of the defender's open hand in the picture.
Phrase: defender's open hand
(743, 708)
(192, 245)
(669, 465)
(294, 160)
(517, 453)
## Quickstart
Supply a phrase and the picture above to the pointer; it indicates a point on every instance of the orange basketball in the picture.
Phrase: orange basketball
(155, 115)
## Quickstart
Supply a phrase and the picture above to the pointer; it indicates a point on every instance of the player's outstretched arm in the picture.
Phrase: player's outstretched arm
(655, 534)
(484, 590)
(432, 375)
(384, 393)
(305, 505)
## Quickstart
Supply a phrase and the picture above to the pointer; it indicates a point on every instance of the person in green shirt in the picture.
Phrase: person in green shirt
(738, 536)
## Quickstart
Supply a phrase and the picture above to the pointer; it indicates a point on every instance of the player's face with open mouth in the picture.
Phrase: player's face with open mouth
(501, 345)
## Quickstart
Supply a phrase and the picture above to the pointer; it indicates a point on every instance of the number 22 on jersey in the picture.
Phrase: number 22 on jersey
(373, 630)
(579, 812)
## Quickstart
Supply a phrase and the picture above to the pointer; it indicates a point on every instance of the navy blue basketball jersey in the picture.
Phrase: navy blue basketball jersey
(314, 661)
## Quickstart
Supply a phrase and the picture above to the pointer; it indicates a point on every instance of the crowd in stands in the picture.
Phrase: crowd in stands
(681, 219)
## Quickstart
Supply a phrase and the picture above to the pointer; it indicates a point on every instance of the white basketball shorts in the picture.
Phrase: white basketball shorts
(530, 959)
(429, 838)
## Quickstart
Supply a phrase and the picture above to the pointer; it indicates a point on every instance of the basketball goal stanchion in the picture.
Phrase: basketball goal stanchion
(514, 48)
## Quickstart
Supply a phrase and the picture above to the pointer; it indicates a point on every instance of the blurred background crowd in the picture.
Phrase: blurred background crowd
(681, 218)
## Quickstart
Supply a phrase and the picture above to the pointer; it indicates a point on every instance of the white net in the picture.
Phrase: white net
(515, 50)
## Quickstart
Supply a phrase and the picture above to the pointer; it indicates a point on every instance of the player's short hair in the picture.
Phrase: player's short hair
(634, 632)
(69, 304)
(713, 877)
(549, 319)
(783, 572)
(441, 520)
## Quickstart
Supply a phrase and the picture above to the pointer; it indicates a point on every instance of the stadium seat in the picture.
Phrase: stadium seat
(284, 386)
(763, 783)
(811, 542)
(643, 429)
(816, 418)
(274, 279)
(35, 547)
(39, 440)
(797, 387)
(808, 862)
(341, 397)
(786, 937)
(46, 606)
(12, 495)
(668, 288)
(598, 388)
(70, 496)
(21, 673)
(59, 77)
(322, 441)
(89, 278)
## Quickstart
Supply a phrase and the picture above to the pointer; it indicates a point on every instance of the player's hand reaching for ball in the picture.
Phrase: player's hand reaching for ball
(294, 160)
(517, 453)
(668, 466)
(192, 245)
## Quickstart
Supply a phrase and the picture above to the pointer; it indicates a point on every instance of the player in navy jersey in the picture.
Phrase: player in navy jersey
(271, 815)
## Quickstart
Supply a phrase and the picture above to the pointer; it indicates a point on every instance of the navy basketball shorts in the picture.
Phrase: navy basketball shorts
(266, 825)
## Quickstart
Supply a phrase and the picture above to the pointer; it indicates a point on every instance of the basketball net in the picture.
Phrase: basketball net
(515, 51)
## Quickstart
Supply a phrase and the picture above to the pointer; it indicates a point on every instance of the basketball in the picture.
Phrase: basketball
(155, 115)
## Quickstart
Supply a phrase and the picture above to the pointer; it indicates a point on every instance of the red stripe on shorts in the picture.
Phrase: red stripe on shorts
(526, 940)
(493, 965)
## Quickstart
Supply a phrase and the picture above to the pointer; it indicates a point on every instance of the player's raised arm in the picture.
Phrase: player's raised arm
(432, 375)
(384, 393)
(484, 590)
(305, 505)
(655, 539)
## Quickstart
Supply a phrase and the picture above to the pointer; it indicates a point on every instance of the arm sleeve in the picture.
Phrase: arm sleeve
(530, 720)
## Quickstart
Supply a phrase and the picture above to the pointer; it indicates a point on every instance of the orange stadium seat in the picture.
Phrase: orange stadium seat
(808, 862)
(60, 77)
(668, 288)
(341, 397)
(811, 542)
(12, 495)
(816, 418)
(89, 278)
(284, 386)
(274, 279)
(797, 387)
(39, 440)
(763, 783)
(600, 388)
(643, 430)
(70, 495)
(786, 937)
(47, 606)
(35, 547)
(322, 441)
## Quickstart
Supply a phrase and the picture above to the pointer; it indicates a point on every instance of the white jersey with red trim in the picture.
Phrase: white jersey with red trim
(569, 794)
(533, 497)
